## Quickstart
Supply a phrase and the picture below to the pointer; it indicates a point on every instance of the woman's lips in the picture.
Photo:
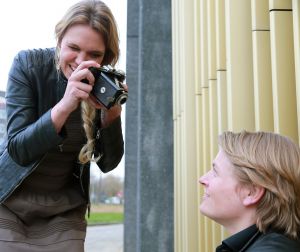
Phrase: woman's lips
(205, 195)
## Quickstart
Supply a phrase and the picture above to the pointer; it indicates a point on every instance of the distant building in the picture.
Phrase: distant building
(2, 116)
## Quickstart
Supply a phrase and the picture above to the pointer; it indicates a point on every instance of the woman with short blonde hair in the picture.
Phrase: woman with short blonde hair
(261, 172)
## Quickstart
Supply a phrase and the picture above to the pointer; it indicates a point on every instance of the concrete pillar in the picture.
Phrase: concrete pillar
(149, 128)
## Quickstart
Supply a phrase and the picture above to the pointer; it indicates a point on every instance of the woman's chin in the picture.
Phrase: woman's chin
(204, 209)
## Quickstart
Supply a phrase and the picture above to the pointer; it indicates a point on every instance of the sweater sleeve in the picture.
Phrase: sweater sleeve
(110, 146)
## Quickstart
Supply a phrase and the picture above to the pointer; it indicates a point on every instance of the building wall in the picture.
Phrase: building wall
(236, 65)
(149, 128)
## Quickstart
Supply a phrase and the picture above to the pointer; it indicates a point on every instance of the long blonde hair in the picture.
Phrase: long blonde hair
(98, 16)
(271, 161)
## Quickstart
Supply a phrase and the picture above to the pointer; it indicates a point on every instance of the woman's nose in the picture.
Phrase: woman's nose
(81, 57)
(203, 180)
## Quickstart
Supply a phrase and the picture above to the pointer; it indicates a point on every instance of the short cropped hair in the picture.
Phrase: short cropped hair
(271, 161)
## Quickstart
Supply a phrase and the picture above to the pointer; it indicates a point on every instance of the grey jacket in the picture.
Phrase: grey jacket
(34, 87)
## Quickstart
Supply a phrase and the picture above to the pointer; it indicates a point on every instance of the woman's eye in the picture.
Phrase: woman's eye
(73, 48)
(96, 56)
(214, 172)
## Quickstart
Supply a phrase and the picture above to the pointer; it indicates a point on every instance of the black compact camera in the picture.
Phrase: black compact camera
(107, 88)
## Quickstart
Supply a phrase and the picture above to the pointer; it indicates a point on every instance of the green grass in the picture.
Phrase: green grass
(105, 218)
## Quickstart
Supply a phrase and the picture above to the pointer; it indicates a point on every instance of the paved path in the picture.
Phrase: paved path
(104, 238)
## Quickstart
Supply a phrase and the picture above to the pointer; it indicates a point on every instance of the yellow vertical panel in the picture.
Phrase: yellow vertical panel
(283, 73)
(213, 111)
(198, 97)
(189, 129)
(239, 65)
(262, 74)
(182, 228)
(222, 101)
(280, 4)
(221, 91)
(211, 32)
(217, 234)
(208, 224)
(264, 119)
(207, 239)
(197, 47)
(206, 234)
(203, 42)
(260, 17)
(220, 35)
(213, 115)
(221, 66)
(199, 140)
(296, 25)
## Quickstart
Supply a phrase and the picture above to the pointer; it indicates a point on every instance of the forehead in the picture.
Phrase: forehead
(223, 165)
(83, 34)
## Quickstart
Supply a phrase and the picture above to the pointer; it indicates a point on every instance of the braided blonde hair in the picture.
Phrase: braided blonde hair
(98, 16)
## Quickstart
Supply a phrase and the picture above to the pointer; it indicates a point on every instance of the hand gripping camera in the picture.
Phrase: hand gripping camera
(107, 88)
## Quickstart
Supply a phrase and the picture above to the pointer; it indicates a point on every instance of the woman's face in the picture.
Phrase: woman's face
(80, 43)
(222, 200)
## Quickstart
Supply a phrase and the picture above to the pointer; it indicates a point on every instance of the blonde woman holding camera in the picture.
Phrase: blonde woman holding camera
(55, 128)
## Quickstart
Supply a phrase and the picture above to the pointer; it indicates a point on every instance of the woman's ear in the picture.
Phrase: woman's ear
(253, 195)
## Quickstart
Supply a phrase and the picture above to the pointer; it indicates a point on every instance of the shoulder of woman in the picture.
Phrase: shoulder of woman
(36, 57)
(274, 242)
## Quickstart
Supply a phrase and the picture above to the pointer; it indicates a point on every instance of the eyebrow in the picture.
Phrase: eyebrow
(101, 53)
(215, 166)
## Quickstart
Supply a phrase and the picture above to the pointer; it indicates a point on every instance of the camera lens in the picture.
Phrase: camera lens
(122, 99)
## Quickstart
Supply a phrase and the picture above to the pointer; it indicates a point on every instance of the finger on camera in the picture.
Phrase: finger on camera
(87, 64)
(89, 79)
(124, 85)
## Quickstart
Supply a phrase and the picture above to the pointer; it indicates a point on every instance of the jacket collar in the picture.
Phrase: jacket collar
(240, 241)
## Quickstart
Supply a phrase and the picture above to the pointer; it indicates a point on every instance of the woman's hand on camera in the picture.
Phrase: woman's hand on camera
(75, 92)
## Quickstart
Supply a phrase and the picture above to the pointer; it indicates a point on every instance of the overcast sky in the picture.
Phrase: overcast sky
(28, 24)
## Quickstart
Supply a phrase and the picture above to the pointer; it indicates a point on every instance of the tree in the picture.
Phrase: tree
(105, 187)
(111, 185)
